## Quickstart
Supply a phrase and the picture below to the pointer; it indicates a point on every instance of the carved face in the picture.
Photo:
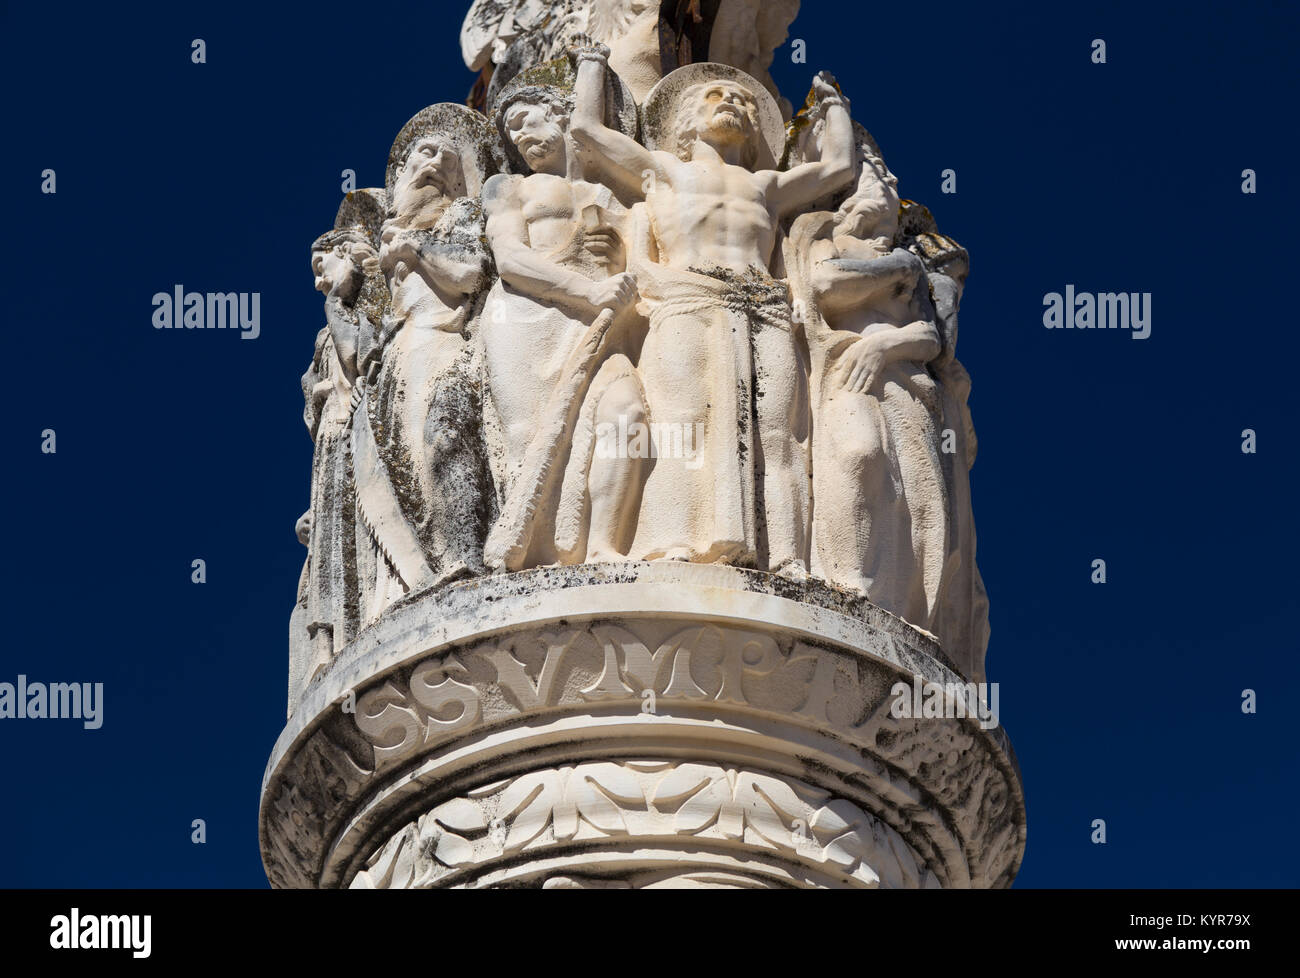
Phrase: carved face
(538, 131)
(433, 162)
(872, 210)
(335, 270)
(431, 174)
(722, 114)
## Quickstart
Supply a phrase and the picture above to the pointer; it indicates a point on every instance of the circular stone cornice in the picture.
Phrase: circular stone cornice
(552, 666)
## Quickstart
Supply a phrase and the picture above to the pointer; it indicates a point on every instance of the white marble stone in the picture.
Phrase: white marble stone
(640, 490)
(613, 683)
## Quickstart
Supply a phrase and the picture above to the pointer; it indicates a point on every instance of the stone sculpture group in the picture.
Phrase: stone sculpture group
(640, 490)
(636, 319)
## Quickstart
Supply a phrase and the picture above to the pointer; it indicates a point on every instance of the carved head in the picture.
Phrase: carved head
(942, 254)
(338, 262)
(535, 120)
(721, 113)
(871, 210)
(445, 151)
(428, 179)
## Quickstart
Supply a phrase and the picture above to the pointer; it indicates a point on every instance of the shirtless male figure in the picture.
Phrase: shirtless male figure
(561, 261)
(721, 348)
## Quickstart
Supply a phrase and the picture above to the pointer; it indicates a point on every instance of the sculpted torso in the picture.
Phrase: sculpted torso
(712, 213)
(707, 204)
(547, 205)
(551, 208)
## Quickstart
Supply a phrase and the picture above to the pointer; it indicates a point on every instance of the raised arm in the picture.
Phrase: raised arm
(917, 342)
(614, 158)
(801, 185)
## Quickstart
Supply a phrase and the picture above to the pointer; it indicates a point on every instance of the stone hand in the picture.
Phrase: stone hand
(399, 247)
(603, 243)
(826, 92)
(584, 47)
(616, 292)
(860, 366)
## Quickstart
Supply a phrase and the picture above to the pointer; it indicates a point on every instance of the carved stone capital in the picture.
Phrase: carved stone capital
(640, 724)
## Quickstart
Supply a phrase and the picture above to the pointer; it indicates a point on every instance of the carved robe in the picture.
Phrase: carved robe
(423, 491)
(326, 615)
(720, 362)
(962, 619)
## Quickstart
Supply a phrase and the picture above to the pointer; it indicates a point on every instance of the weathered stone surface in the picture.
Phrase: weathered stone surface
(640, 546)
(555, 375)
(326, 615)
(647, 668)
(647, 39)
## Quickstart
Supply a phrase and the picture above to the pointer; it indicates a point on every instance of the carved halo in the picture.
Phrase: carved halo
(468, 131)
(363, 208)
(559, 75)
(361, 212)
(659, 112)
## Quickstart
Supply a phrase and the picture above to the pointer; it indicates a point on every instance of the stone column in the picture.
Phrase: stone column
(648, 724)
(557, 661)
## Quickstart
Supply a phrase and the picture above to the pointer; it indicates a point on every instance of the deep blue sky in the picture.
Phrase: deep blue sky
(1122, 700)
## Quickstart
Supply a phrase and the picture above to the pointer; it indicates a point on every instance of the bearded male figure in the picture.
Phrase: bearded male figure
(721, 354)
(422, 486)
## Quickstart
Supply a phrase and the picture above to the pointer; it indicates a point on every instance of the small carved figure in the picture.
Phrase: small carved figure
(326, 616)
